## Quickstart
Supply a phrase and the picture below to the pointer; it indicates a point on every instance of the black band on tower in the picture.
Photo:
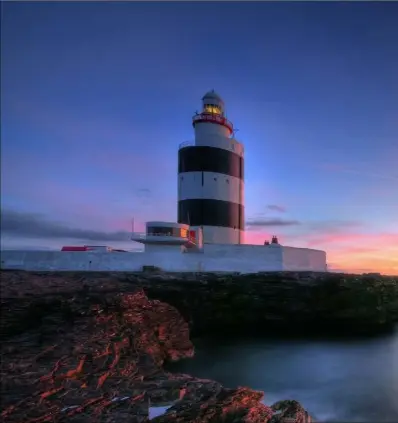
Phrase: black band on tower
(210, 159)
(198, 212)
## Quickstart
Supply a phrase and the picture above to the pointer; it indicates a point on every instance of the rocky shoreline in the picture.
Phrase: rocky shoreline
(293, 303)
(234, 305)
(76, 354)
(83, 347)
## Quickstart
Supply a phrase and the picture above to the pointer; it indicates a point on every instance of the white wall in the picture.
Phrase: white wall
(65, 260)
(241, 258)
(304, 259)
(213, 135)
(233, 258)
(156, 248)
(207, 132)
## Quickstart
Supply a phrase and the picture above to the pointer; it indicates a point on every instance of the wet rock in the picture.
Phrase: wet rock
(206, 402)
(289, 411)
(107, 364)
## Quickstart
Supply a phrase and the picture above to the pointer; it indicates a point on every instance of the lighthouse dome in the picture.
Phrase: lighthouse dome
(212, 95)
(213, 103)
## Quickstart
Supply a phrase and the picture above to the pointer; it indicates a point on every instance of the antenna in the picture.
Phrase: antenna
(132, 225)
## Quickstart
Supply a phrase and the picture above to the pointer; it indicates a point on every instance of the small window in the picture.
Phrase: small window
(215, 179)
(182, 178)
(227, 181)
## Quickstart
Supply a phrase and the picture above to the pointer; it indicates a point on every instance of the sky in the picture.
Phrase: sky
(97, 96)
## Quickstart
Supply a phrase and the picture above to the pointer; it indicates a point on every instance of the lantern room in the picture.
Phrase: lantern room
(212, 113)
(213, 103)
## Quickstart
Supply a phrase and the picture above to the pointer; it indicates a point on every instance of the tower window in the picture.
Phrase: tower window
(227, 181)
(212, 108)
(215, 179)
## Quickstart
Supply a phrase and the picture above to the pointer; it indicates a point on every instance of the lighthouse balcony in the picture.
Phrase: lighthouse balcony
(213, 118)
(145, 238)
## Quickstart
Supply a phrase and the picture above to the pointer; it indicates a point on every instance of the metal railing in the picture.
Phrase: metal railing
(143, 235)
(213, 118)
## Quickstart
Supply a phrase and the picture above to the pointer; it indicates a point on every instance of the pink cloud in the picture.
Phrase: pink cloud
(384, 266)
(354, 239)
(257, 237)
(349, 252)
(373, 252)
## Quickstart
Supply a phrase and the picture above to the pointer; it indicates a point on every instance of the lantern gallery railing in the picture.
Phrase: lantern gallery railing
(215, 118)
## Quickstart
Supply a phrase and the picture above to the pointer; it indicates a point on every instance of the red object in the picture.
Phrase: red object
(192, 235)
(72, 248)
(213, 118)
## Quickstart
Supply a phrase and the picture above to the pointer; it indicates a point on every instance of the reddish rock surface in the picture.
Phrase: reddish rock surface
(76, 355)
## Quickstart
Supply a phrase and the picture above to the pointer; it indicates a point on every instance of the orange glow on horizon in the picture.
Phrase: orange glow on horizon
(348, 253)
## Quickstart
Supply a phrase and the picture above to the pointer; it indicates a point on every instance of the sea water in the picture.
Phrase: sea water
(337, 380)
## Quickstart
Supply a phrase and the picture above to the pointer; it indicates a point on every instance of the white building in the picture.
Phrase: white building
(209, 232)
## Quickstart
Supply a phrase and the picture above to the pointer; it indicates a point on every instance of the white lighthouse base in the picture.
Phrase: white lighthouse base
(212, 258)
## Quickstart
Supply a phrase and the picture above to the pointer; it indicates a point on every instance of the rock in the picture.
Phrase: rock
(285, 302)
(230, 304)
(206, 402)
(109, 359)
(76, 349)
(289, 411)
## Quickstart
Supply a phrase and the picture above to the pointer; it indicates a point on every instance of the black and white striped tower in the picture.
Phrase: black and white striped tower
(211, 176)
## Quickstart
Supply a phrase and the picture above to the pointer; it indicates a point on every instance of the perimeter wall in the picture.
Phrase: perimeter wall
(223, 258)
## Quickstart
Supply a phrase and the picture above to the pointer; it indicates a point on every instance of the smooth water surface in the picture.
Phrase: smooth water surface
(338, 380)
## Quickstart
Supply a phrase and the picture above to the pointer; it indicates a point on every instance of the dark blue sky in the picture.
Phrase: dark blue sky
(97, 96)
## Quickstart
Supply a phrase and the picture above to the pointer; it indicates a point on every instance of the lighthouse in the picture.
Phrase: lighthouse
(211, 176)
(209, 234)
